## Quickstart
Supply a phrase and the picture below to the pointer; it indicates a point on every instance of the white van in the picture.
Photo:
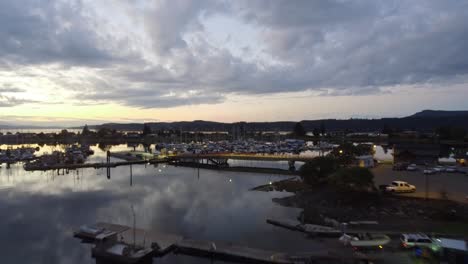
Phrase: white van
(416, 240)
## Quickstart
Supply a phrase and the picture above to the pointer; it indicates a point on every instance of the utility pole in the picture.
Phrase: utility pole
(134, 227)
(131, 175)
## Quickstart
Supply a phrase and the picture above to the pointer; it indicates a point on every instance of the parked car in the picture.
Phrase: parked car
(412, 167)
(400, 186)
(416, 240)
(451, 169)
(429, 171)
(400, 166)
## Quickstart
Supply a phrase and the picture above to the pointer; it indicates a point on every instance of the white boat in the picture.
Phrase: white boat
(121, 253)
(365, 240)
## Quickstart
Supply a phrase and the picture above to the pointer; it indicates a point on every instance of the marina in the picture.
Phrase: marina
(221, 174)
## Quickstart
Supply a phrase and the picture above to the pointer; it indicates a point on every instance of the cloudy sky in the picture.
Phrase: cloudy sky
(72, 62)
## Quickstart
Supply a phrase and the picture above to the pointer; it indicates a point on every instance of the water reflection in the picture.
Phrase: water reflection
(39, 209)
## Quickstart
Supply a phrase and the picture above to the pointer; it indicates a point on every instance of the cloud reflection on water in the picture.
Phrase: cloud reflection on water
(40, 209)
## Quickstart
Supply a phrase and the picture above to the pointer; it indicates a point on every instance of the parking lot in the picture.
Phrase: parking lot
(455, 185)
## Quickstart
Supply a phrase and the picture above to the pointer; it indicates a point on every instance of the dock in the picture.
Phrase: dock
(162, 243)
(353, 227)
(97, 165)
(155, 244)
(205, 161)
(229, 252)
(246, 156)
(310, 229)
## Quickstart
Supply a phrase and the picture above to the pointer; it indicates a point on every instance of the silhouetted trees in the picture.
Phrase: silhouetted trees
(387, 130)
(322, 128)
(451, 132)
(299, 130)
(104, 131)
(323, 170)
(354, 178)
(347, 152)
(318, 170)
(85, 131)
(316, 132)
(146, 129)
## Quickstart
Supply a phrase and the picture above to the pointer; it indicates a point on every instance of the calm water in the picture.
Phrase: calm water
(39, 210)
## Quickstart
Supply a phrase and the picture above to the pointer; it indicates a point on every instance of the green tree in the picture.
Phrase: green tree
(103, 131)
(458, 133)
(316, 132)
(318, 170)
(85, 131)
(387, 130)
(451, 132)
(347, 152)
(299, 130)
(354, 178)
(322, 128)
(104, 147)
(146, 129)
(443, 132)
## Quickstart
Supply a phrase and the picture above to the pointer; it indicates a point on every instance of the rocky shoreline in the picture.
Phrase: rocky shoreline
(322, 203)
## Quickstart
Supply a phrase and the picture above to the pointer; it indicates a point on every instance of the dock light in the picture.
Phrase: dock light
(341, 151)
(375, 146)
(271, 183)
(380, 246)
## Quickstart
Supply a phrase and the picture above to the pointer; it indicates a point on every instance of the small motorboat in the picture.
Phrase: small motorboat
(365, 240)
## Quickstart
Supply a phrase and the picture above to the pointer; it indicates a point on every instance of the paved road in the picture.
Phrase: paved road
(455, 184)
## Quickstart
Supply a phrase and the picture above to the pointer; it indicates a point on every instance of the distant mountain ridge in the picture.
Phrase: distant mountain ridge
(439, 113)
(19, 127)
(426, 120)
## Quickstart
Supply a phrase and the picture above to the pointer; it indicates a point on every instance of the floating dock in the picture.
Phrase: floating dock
(315, 230)
(161, 243)
(230, 252)
(154, 244)
(65, 166)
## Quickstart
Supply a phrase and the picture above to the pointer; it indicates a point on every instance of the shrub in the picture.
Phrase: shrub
(318, 170)
(354, 178)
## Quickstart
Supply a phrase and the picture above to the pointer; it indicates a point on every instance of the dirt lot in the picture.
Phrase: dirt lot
(454, 184)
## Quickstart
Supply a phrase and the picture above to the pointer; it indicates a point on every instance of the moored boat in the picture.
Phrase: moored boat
(365, 240)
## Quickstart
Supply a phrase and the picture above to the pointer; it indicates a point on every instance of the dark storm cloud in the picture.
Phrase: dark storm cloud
(332, 47)
(344, 47)
(41, 32)
(342, 44)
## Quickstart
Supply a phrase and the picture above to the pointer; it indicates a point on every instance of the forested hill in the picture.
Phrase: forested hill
(427, 120)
